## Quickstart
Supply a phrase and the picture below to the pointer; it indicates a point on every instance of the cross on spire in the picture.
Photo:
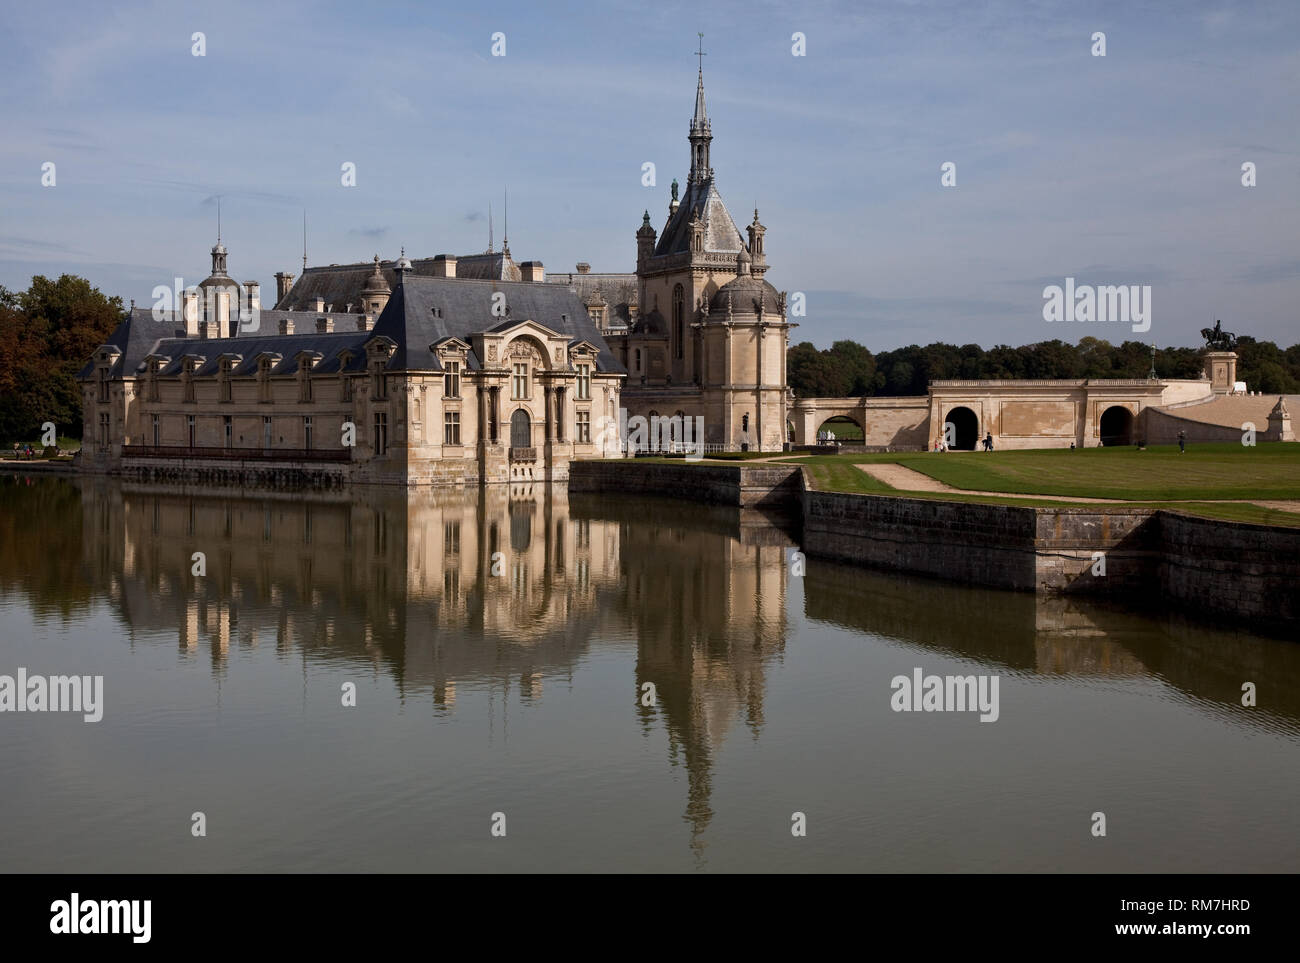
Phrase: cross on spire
(701, 53)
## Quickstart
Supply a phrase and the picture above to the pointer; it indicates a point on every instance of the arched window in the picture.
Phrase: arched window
(679, 323)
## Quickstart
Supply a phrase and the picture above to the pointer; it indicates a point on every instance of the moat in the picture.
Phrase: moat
(637, 684)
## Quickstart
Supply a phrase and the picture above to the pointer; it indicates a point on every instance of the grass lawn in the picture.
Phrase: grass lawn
(1204, 473)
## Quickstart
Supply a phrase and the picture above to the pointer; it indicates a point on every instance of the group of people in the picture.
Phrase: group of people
(24, 452)
(986, 443)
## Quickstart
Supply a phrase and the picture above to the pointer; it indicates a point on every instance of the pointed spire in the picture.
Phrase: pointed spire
(701, 121)
(505, 236)
(700, 135)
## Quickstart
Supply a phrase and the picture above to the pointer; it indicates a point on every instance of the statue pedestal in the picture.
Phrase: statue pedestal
(1221, 369)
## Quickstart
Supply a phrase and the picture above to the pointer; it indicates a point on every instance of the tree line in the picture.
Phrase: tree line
(47, 334)
(847, 369)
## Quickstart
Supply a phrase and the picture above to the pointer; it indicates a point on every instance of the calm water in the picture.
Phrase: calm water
(520, 693)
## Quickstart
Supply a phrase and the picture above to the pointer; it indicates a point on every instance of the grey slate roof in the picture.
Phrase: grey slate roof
(341, 284)
(720, 234)
(140, 336)
(288, 346)
(618, 290)
(465, 308)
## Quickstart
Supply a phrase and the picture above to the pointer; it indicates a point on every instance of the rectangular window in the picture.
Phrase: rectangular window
(451, 538)
(306, 432)
(189, 424)
(267, 438)
(103, 430)
(345, 388)
(451, 428)
(584, 382)
(230, 431)
(103, 384)
(381, 432)
(189, 384)
(157, 432)
(153, 380)
(519, 382)
(584, 427)
(304, 385)
(451, 380)
(381, 386)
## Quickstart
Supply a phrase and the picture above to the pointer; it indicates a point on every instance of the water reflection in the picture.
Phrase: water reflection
(514, 590)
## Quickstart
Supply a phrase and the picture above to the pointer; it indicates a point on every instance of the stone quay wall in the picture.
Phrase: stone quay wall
(1242, 572)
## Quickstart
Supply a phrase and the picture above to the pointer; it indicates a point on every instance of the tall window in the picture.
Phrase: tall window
(306, 432)
(189, 424)
(451, 380)
(153, 380)
(379, 381)
(103, 384)
(381, 432)
(637, 366)
(225, 379)
(679, 321)
(103, 429)
(189, 382)
(451, 428)
(304, 381)
(584, 382)
(229, 427)
(519, 382)
(157, 432)
(345, 387)
(268, 438)
(584, 427)
(264, 379)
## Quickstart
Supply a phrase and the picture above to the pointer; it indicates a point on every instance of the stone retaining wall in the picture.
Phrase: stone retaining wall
(1246, 573)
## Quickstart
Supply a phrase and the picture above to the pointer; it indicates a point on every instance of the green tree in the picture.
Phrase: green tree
(47, 334)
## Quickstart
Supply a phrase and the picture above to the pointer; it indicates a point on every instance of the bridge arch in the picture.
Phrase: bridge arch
(1116, 426)
(965, 431)
(846, 428)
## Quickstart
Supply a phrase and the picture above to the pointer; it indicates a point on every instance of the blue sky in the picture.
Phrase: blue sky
(1117, 170)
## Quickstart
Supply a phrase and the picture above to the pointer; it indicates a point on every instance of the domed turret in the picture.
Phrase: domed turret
(745, 296)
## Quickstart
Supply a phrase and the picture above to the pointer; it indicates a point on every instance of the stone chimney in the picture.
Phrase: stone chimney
(584, 267)
(253, 294)
(204, 327)
(283, 282)
(444, 266)
(286, 325)
(190, 311)
(364, 323)
(532, 272)
(324, 325)
(320, 304)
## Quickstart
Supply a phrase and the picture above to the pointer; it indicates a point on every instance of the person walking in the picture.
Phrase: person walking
(1182, 442)
(988, 441)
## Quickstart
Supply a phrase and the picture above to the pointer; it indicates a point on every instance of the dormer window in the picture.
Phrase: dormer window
(225, 379)
(451, 379)
(584, 382)
(519, 381)
(154, 367)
